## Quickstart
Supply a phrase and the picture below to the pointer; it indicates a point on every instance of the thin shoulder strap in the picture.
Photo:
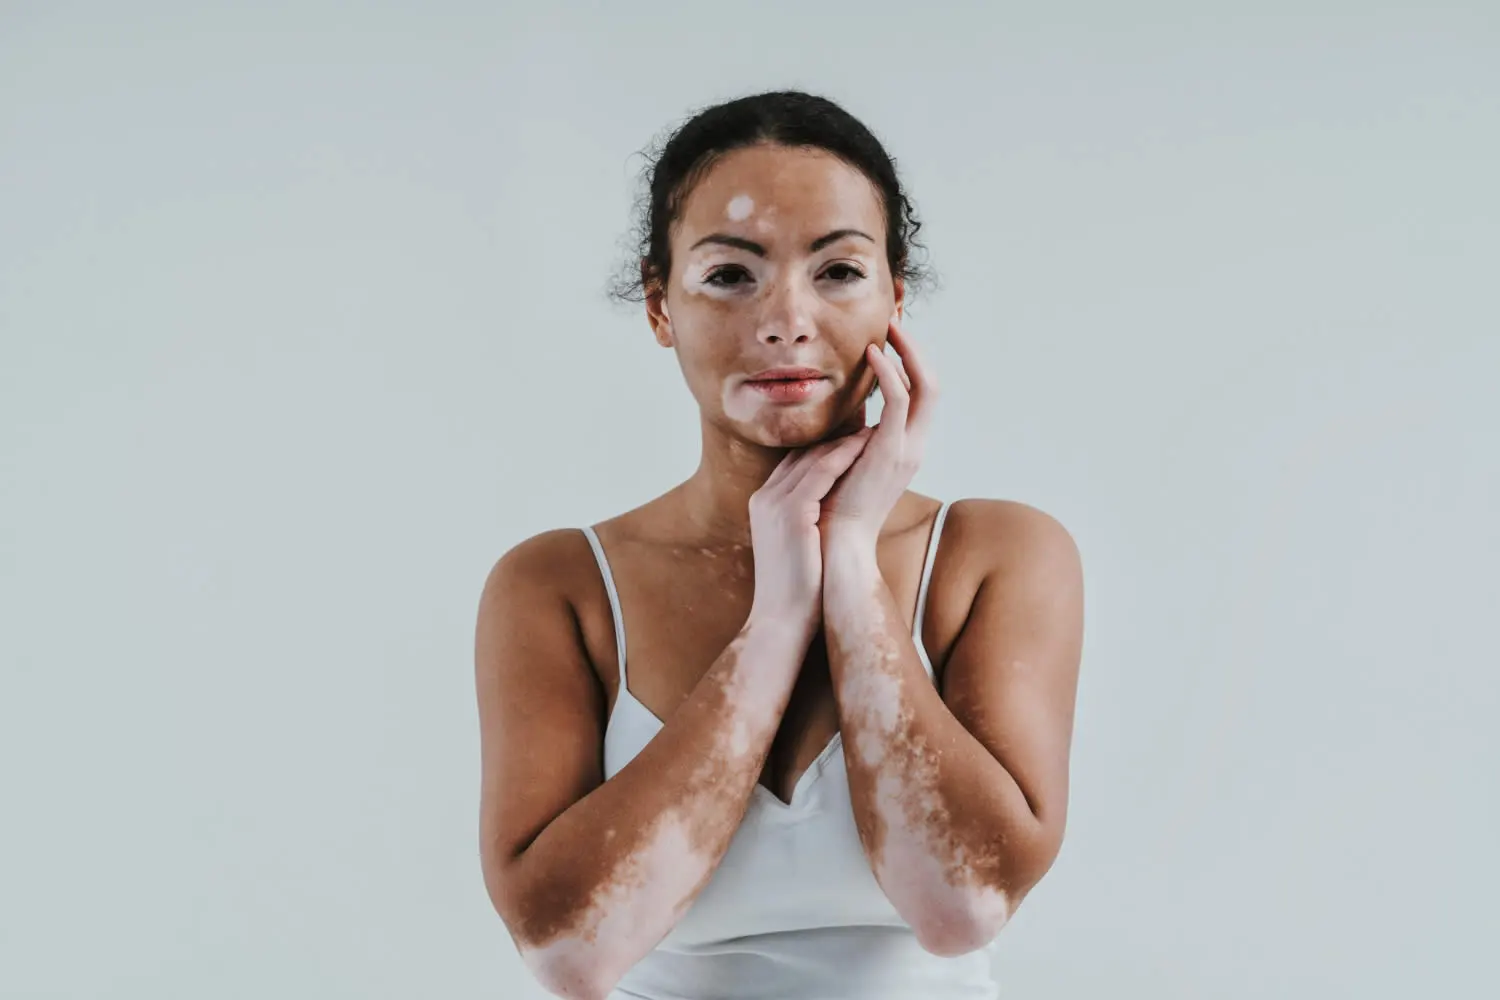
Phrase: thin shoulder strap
(932, 546)
(614, 598)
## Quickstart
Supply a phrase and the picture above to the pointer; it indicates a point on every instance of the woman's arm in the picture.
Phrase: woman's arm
(960, 798)
(589, 875)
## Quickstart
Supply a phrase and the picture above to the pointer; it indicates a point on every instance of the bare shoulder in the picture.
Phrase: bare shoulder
(551, 561)
(550, 584)
(527, 637)
(1011, 674)
(540, 705)
(990, 535)
(995, 556)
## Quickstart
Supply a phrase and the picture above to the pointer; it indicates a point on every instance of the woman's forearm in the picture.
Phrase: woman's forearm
(934, 809)
(607, 879)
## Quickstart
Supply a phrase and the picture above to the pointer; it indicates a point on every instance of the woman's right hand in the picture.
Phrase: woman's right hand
(784, 535)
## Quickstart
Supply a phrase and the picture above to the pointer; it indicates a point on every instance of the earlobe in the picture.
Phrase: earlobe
(664, 331)
(659, 318)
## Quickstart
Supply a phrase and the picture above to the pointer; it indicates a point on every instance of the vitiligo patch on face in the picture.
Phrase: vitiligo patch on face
(739, 406)
(740, 207)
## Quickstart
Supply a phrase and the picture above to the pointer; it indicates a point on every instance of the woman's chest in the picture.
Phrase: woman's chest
(677, 616)
(790, 869)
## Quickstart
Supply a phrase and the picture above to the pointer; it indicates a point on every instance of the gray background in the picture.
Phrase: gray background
(303, 326)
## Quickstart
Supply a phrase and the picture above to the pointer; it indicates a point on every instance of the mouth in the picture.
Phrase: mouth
(788, 385)
(787, 375)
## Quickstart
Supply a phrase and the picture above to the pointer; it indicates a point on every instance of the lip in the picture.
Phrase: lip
(790, 385)
(787, 375)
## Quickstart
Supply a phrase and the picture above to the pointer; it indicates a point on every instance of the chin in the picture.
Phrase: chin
(793, 430)
(778, 437)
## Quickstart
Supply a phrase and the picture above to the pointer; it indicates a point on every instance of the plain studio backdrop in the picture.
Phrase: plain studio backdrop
(304, 324)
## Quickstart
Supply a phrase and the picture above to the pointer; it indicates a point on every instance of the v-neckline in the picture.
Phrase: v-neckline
(836, 742)
(799, 787)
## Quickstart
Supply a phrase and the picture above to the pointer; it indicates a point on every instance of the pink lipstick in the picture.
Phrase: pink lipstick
(788, 385)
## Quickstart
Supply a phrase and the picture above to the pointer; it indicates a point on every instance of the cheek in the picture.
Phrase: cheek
(863, 294)
(737, 404)
(707, 353)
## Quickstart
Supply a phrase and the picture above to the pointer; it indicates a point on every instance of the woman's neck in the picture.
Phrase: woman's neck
(716, 498)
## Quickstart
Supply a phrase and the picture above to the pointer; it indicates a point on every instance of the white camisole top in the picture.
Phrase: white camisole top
(793, 911)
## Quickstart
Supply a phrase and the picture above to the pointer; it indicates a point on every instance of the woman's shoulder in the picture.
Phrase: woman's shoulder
(562, 561)
(996, 534)
(553, 565)
(548, 555)
(998, 511)
(987, 545)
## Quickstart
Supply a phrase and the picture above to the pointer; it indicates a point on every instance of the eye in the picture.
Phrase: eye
(850, 273)
(716, 276)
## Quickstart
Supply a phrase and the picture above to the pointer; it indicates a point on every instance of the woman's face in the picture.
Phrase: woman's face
(778, 261)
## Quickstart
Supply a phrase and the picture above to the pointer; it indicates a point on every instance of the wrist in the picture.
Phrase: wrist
(848, 541)
(780, 632)
(850, 559)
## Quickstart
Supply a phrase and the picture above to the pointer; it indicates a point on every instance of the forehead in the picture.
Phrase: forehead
(797, 190)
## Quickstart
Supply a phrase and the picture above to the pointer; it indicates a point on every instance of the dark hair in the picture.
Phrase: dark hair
(783, 117)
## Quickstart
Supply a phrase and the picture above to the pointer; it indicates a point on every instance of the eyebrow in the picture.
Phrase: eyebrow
(760, 251)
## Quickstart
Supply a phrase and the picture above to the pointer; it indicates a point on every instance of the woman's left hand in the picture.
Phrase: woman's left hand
(856, 508)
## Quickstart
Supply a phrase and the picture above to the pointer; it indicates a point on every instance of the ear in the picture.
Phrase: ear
(900, 286)
(656, 310)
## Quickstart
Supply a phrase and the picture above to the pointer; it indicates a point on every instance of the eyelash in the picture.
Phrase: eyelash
(858, 275)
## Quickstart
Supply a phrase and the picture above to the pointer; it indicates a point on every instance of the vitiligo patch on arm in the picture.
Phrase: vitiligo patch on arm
(914, 853)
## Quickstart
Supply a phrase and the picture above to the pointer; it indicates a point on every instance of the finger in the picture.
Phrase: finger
(820, 479)
(897, 399)
(820, 476)
(786, 475)
(893, 337)
(921, 384)
(783, 468)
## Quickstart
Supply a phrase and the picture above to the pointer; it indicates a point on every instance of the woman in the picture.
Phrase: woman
(764, 736)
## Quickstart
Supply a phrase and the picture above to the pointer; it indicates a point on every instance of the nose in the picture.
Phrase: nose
(787, 313)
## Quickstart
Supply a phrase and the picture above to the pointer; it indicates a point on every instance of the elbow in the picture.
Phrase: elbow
(570, 977)
(950, 939)
(963, 925)
(568, 966)
(563, 962)
(576, 989)
(961, 921)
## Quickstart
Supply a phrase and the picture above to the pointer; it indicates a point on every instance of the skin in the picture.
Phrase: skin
(959, 789)
(728, 311)
(956, 827)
